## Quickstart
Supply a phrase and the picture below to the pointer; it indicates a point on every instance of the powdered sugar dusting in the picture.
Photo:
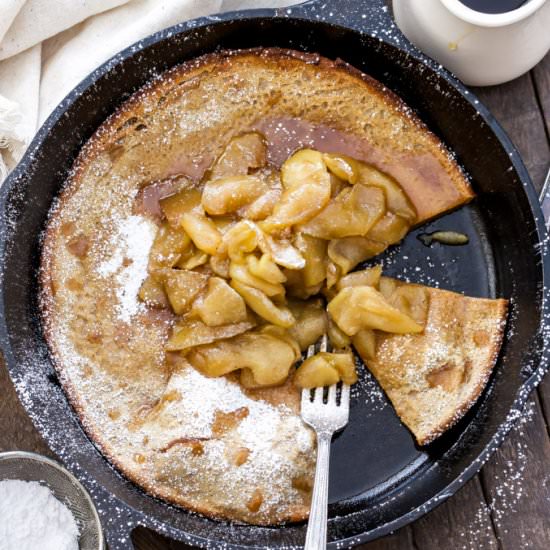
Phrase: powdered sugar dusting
(274, 436)
(131, 244)
(259, 428)
(507, 495)
(32, 517)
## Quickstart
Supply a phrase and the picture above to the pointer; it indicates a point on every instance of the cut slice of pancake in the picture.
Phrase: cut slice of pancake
(434, 377)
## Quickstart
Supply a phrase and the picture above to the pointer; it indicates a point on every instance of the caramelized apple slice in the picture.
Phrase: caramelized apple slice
(359, 307)
(224, 223)
(265, 268)
(354, 171)
(152, 293)
(345, 365)
(221, 305)
(258, 302)
(239, 272)
(243, 238)
(282, 252)
(351, 251)
(336, 186)
(365, 277)
(325, 369)
(306, 184)
(338, 338)
(352, 213)
(203, 232)
(334, 272)
(169, 244)
(243, 153)
(413, 300)
(188, 200)
(191, 333)
(343, 167)
(314, 251)
(365, 344)
(316, 372)
(389, 230)
(296, 287)
(226, 195)
(396, 199)
(182, 286)
(303, 167)
(246, 236)
(220, 265)
(247, 381)
(387, 286)
(268, 357)
(191, 258)
(282, 334)
(263, 206)
(311, 321)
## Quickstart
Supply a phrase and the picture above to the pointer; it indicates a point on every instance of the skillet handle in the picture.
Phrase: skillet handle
(544, 199)
(368, 16)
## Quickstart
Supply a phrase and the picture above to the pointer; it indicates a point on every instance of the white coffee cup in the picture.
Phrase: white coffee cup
(480, 48)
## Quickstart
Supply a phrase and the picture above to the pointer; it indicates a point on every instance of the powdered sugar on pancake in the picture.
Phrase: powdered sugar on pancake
(273, 437)
(259, 428)
(131, 244)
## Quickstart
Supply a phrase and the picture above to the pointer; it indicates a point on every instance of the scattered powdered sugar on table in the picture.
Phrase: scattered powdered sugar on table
(479, 530)
(507, 495)
(509, 490)
(31, 518)
(132, 243)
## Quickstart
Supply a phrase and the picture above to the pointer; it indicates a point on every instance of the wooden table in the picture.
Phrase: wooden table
(507, 505)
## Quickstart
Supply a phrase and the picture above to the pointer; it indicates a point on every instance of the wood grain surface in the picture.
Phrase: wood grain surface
(506, 506)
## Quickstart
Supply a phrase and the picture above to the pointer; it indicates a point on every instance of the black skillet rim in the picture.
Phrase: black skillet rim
(299, 13)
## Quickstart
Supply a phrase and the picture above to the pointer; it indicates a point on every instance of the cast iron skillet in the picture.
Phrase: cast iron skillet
(379, 479)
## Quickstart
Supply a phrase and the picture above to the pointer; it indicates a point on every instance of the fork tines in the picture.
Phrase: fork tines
(336, 395)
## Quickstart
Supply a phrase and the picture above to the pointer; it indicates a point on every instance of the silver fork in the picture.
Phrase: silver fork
(325, 419)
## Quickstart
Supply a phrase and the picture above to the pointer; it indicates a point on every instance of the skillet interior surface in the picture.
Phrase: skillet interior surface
(379, 479)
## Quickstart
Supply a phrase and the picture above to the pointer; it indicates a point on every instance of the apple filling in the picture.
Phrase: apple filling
(247, 258)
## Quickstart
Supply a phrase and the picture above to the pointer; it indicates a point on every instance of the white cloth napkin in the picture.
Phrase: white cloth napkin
(49, 46)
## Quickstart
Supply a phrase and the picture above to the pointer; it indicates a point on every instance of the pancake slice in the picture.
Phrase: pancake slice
(434, 377)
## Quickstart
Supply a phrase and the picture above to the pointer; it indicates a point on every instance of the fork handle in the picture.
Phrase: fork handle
(316, 537)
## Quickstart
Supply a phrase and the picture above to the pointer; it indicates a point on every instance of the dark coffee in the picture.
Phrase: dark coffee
(493, 6)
